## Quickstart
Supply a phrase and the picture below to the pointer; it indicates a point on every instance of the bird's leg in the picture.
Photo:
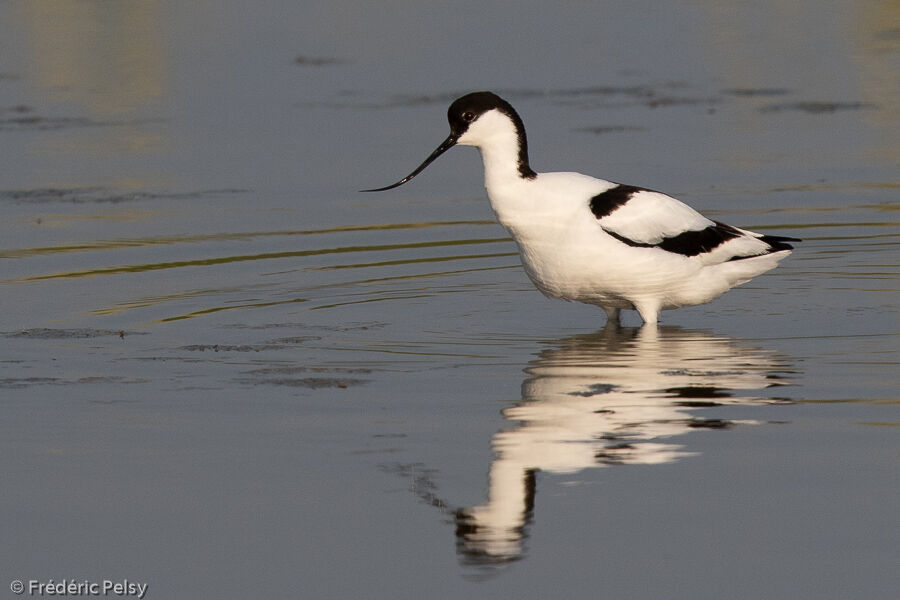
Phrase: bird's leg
(612, 315)
(649, 312)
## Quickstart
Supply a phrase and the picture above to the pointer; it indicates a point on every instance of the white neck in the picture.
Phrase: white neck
(501, 161)
(496, 137)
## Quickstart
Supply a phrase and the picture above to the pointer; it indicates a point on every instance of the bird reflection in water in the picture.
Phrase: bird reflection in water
(616, 397)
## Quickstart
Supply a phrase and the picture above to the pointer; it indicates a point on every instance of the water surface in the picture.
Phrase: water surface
(225, 372)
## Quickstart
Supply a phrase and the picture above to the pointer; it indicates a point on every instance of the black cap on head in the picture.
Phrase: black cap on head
(466, 109)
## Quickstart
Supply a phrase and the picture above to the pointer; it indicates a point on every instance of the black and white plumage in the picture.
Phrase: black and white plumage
(603, 243)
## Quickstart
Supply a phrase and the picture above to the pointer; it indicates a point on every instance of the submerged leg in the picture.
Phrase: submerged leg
(612, 315)
(649, 311)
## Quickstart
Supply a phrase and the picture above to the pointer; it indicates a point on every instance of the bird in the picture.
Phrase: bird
(612, 245)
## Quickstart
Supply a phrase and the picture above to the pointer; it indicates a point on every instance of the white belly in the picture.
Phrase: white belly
(583, 264)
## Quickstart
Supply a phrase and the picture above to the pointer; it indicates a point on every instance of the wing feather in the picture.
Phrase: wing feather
(644, 218)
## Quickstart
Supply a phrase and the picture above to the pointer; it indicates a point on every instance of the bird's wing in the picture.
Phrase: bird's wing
(643, 218)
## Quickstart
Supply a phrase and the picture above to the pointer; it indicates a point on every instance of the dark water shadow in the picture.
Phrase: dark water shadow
(46, 333)
(817, 107)
(652, 95)
(305, 60)
(101, 195)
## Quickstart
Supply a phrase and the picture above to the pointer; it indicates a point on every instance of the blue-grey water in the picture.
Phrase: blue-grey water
(225, 373)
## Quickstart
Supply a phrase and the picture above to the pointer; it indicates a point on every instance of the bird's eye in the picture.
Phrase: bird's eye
(468, 116)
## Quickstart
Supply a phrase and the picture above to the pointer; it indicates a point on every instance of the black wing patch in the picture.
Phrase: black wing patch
(688, 243)
(777, 242)
(606, 202)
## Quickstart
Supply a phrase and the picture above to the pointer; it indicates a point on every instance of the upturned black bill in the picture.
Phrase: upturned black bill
(445, 145)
